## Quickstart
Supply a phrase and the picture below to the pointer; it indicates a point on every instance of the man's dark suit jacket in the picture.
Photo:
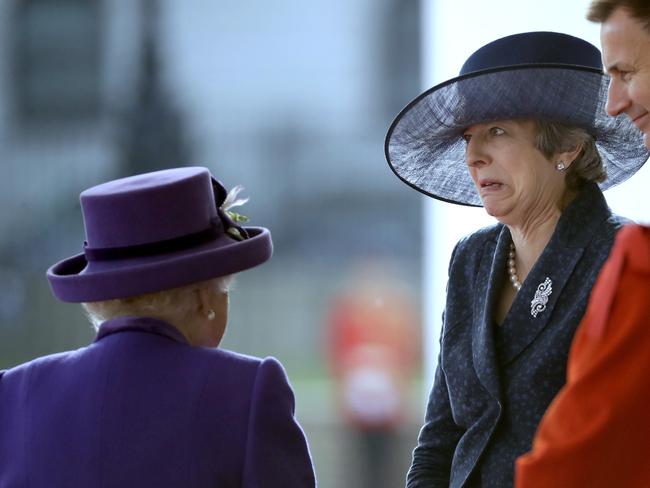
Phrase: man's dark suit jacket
(493, 383)
(142, 408)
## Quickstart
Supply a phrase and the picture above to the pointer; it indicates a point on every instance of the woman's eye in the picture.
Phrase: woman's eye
(626, 75)
(497, 131)
(467, 137)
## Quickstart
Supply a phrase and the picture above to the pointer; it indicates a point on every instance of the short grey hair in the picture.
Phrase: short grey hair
(554, 137)
(172, 304)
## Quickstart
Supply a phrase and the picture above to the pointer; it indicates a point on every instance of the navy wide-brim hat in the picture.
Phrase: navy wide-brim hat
(536, 75)
(154, 232)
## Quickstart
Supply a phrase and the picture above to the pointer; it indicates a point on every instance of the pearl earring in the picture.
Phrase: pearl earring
(560, 166)
(211, 314)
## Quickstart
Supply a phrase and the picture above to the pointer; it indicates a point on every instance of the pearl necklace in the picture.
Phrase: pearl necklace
(512, 268)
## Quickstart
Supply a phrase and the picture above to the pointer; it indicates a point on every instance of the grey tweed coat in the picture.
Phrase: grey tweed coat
(493, 383)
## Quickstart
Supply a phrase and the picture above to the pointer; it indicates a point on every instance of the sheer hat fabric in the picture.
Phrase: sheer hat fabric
(156, 231)
(534, 75)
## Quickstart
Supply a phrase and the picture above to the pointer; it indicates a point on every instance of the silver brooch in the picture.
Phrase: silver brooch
(538, 304)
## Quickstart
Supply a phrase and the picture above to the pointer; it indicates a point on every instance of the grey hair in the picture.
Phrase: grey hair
(554, 137)
(176, 303)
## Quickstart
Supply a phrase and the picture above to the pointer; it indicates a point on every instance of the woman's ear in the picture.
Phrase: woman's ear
(204, 299)
(570, 156)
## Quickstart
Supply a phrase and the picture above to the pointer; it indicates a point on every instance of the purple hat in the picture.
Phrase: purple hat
(153, 232)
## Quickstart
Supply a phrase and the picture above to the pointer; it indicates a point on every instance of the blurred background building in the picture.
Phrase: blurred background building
(290, 99)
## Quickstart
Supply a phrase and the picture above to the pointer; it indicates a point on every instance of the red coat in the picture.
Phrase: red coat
(596, 433)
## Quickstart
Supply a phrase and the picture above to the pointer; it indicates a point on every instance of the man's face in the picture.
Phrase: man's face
(626, 56)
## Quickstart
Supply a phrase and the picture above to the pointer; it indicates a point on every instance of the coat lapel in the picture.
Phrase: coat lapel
(483, 348)
(537, 300)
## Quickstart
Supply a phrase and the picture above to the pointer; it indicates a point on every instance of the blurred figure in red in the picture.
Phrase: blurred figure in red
(373, 348)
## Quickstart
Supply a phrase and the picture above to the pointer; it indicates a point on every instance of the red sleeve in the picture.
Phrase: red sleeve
(596, 433)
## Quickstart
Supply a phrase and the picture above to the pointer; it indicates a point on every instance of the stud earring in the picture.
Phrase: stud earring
(211, 314)
(560, 166)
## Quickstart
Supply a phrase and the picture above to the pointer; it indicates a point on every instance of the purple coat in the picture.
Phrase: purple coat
(140, 407)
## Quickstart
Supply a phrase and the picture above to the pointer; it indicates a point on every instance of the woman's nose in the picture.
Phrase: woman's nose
(475, 156)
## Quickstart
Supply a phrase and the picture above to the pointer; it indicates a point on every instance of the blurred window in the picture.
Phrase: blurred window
(56, 60)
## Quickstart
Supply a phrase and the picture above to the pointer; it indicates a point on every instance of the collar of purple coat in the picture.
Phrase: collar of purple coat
(140, 324)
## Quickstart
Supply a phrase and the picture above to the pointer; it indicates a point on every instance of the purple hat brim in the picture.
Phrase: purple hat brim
(77, 280)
